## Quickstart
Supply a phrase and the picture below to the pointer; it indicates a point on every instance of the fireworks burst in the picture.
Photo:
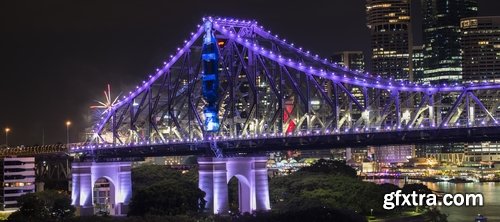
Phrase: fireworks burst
(108, 104)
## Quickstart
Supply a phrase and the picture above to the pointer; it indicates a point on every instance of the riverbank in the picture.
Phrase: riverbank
(429, 179)
(490, 191)
(407, 216)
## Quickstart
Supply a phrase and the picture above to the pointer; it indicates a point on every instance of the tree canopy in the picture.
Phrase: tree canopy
(47, 206)
(328, 184)
(333, 167)
(159, 190)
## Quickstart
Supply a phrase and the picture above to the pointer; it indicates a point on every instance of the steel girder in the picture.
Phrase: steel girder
(268, 86)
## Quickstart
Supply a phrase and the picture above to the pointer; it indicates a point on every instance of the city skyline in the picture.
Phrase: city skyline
(47, 84)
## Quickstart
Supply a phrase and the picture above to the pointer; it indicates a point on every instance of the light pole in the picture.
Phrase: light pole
(7, 130)
(68, 123)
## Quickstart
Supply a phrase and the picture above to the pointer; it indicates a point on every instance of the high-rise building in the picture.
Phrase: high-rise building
(391, 38)
(354, 60)
(481, 49)
(18, 178)
(441, 29)
(392, 47)
(418, 62)
(481, 63)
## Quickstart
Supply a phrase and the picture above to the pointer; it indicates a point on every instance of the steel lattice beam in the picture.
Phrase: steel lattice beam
(270, 87)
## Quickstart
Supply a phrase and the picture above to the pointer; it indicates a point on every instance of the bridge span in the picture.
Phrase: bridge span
(235, 88)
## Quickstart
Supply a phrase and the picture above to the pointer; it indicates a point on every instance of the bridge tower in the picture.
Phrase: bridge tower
(251, 172)
(87, 185)
(215, 172)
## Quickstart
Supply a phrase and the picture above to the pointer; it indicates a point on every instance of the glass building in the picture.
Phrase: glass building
(391, 38)
(481, 47)
(418, 62)
(441, 27)
(354, 60)
(481, 63)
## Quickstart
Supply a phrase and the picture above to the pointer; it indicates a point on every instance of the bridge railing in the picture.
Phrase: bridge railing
(37, 150)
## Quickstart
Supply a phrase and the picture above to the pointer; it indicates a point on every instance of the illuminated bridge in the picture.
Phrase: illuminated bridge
(274, 94)
(234, 88)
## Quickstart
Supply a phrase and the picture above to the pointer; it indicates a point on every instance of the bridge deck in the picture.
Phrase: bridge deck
(246, 145)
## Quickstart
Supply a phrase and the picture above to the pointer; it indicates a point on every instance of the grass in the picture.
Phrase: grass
(5, 214)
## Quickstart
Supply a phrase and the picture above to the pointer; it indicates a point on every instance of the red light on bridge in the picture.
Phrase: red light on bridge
(221, 43)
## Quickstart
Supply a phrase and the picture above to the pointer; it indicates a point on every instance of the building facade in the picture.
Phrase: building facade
(18, 178)
(441, 35)
(481, 47)
(391, 38)
(354, 60)
(418, 63)
(481, 63)
(393, 154)
(482, 152)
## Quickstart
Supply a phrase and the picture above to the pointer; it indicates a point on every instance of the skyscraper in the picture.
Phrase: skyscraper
(441, 27)
(391, 38)
(481, 63)
(418, 62)
(354, 60)
(481, 46)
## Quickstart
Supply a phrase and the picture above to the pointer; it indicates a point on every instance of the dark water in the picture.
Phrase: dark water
(490, 191)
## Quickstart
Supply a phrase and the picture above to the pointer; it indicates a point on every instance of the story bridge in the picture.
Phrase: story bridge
(266, 94)
(275, 95)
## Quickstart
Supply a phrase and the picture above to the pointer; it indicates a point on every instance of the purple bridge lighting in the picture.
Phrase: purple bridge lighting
(272, 95)
(276, 95)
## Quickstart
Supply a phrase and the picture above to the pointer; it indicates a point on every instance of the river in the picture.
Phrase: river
(490, 191)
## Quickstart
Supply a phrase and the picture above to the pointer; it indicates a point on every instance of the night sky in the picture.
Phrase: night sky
(57, 56)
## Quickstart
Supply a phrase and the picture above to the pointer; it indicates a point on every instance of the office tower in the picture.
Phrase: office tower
(481, 49)
(18, 178)
(481, 63)
(418, 63)
(391, 39)
(441, 29)
(354, 60)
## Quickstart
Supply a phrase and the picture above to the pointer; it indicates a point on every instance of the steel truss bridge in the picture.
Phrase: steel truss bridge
(275, 95)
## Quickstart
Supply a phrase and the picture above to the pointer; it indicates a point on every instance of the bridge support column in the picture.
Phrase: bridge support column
(251, 173)
(84, 177)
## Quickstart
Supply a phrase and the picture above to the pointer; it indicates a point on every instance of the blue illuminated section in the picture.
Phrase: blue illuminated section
(210, 78)
(211, 119)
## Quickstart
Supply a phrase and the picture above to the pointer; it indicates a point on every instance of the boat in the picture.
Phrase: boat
(480, 218)
(460, 180)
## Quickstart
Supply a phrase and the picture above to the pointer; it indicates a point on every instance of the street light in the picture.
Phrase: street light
(68, 123)
(7, 130)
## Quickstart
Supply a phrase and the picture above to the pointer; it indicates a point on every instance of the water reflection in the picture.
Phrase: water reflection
(490, 191)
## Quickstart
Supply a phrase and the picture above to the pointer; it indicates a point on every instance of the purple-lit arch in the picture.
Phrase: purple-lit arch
(251, 172)
(84, 177)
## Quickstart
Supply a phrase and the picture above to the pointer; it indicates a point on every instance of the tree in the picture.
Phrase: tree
(417, 187)
(159, 190)
(331, 167)
(434, 215)
(48, 206)
(305, 190)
